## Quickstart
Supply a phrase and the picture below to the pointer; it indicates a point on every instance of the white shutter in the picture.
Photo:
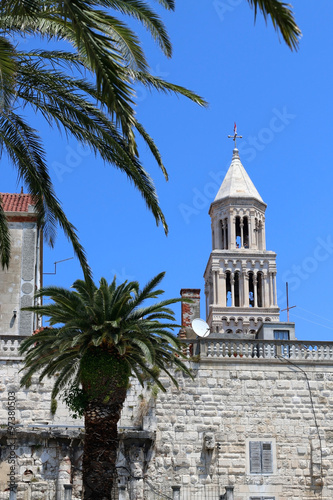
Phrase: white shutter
(255, 457)
(266, 458)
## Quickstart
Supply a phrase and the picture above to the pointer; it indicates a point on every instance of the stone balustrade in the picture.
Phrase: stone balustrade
(219, 348)
(9, 346)
(245, 349)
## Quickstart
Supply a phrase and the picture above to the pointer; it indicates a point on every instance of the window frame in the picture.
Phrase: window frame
(264, 471)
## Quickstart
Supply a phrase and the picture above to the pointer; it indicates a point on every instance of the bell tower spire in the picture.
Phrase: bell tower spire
(240, 277)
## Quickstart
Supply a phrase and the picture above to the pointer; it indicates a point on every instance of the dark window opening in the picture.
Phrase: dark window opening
(238, 232)
(251, 290)
(224, 234)
(228, 289)
(259, 289)
(246, 232)
(236, 290)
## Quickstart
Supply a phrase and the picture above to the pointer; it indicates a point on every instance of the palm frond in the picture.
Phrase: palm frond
(282, 17)
(106, 318)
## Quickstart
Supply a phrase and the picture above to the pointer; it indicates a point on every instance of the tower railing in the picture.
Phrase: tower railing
(246, 349)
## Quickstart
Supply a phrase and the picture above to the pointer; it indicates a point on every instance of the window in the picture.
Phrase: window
(281, 334)
(262, 498)
(261, 457)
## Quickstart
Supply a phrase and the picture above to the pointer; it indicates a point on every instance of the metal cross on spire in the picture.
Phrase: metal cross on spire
(235, 136)
(288, 307)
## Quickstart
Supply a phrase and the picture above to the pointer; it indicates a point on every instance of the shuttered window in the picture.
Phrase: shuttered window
(261, 458)
(262, 498)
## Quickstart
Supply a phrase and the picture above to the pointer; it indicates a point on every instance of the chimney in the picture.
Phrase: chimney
(189, 311)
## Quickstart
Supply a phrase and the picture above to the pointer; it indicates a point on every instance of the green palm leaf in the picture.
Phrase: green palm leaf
(282, 18)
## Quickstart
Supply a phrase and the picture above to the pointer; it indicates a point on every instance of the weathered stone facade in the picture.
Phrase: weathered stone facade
(235, 401)
(36, 443)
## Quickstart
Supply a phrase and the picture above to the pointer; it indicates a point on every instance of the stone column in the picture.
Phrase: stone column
(242, 231)
(222, 291)
(265, 298)
(217, 230)
(249, 226)
(215, 285)
(232, 232)
(217, 234)
(271, 301)
(225, 225)
(207, 298)
(263, 232)
(64, 477)
(274, 289)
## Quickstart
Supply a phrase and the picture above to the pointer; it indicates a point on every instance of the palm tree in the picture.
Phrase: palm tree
(282, 17)
(98, 111)
(106, 335)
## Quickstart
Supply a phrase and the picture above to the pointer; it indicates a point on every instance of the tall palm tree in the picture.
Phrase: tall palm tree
(106, 335)
(98, 111)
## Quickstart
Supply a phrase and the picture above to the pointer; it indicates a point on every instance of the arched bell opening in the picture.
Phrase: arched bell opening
(246, 243)
(238, 232)
(259, 289)
(228, 289)
(251, 289)
(224, 234)
(236, 290)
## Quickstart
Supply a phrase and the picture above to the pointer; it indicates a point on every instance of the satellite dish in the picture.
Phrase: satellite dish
(200, 327)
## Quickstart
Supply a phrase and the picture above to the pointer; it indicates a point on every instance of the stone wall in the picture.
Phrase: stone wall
(10, 285)
(195, 438)
(204, 430)
(43, 449)
(19, 281)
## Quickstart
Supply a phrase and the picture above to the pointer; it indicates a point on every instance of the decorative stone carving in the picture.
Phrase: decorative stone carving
(209, 441)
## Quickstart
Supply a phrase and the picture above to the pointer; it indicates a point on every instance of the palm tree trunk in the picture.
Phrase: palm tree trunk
(101, 446)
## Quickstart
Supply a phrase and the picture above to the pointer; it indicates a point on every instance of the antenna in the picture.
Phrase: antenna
(287, 308)
(200, 327)
(57, 262)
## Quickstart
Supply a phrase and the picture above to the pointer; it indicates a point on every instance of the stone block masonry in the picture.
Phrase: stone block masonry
(231, 404)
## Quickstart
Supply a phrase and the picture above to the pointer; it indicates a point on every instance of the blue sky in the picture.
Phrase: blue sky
(282, 103)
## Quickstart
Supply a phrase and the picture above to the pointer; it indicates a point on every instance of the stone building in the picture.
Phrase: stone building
(40, 452)
(255, 421)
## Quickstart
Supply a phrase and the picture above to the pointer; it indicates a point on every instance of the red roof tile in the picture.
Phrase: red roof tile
(16, 202)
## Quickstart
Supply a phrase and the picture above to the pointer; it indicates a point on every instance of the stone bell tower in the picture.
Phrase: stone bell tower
(240, 277)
